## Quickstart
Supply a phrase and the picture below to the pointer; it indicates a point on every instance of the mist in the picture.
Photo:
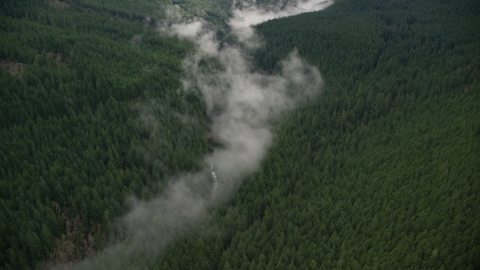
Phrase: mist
(251, 14)
(241, 104)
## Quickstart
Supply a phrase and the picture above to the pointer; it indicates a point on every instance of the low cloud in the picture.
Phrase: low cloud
(251, 14)
(241, 103)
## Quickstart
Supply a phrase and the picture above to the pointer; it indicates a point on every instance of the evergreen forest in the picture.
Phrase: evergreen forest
(380, 171)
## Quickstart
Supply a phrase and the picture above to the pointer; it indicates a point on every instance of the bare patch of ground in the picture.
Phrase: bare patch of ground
(58, 57)
(58, 3)
(15, 68)
(75, 243)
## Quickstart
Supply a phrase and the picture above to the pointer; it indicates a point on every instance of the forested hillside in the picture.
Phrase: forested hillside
(381, 171)
(90, 114)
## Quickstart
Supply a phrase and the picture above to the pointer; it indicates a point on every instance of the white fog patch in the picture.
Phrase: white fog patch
(246, 101)
(252, 14)
(193, 30)
(153, 225)
(241, 104)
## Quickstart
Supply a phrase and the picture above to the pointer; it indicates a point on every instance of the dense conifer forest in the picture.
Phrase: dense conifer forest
(80, 87)
(381, 171)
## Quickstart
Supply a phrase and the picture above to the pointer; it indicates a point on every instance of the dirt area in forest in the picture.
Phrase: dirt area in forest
(58, 3)
(15, 68)
(58, 57)
(74, 244)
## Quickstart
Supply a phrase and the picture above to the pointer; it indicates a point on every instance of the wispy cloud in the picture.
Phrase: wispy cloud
(241, 103)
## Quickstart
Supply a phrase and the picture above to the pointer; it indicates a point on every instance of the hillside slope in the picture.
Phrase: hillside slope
(90, 114)
(382, 170)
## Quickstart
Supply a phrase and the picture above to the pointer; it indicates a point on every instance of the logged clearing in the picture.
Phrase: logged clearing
(14, 68)
(58, 3)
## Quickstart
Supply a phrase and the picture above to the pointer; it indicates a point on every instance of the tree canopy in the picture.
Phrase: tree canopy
(380, 171)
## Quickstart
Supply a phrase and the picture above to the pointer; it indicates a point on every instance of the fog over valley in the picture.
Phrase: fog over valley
(240, 103)
(239, 134)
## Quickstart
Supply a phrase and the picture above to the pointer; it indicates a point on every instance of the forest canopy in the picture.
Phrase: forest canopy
(380, 171)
